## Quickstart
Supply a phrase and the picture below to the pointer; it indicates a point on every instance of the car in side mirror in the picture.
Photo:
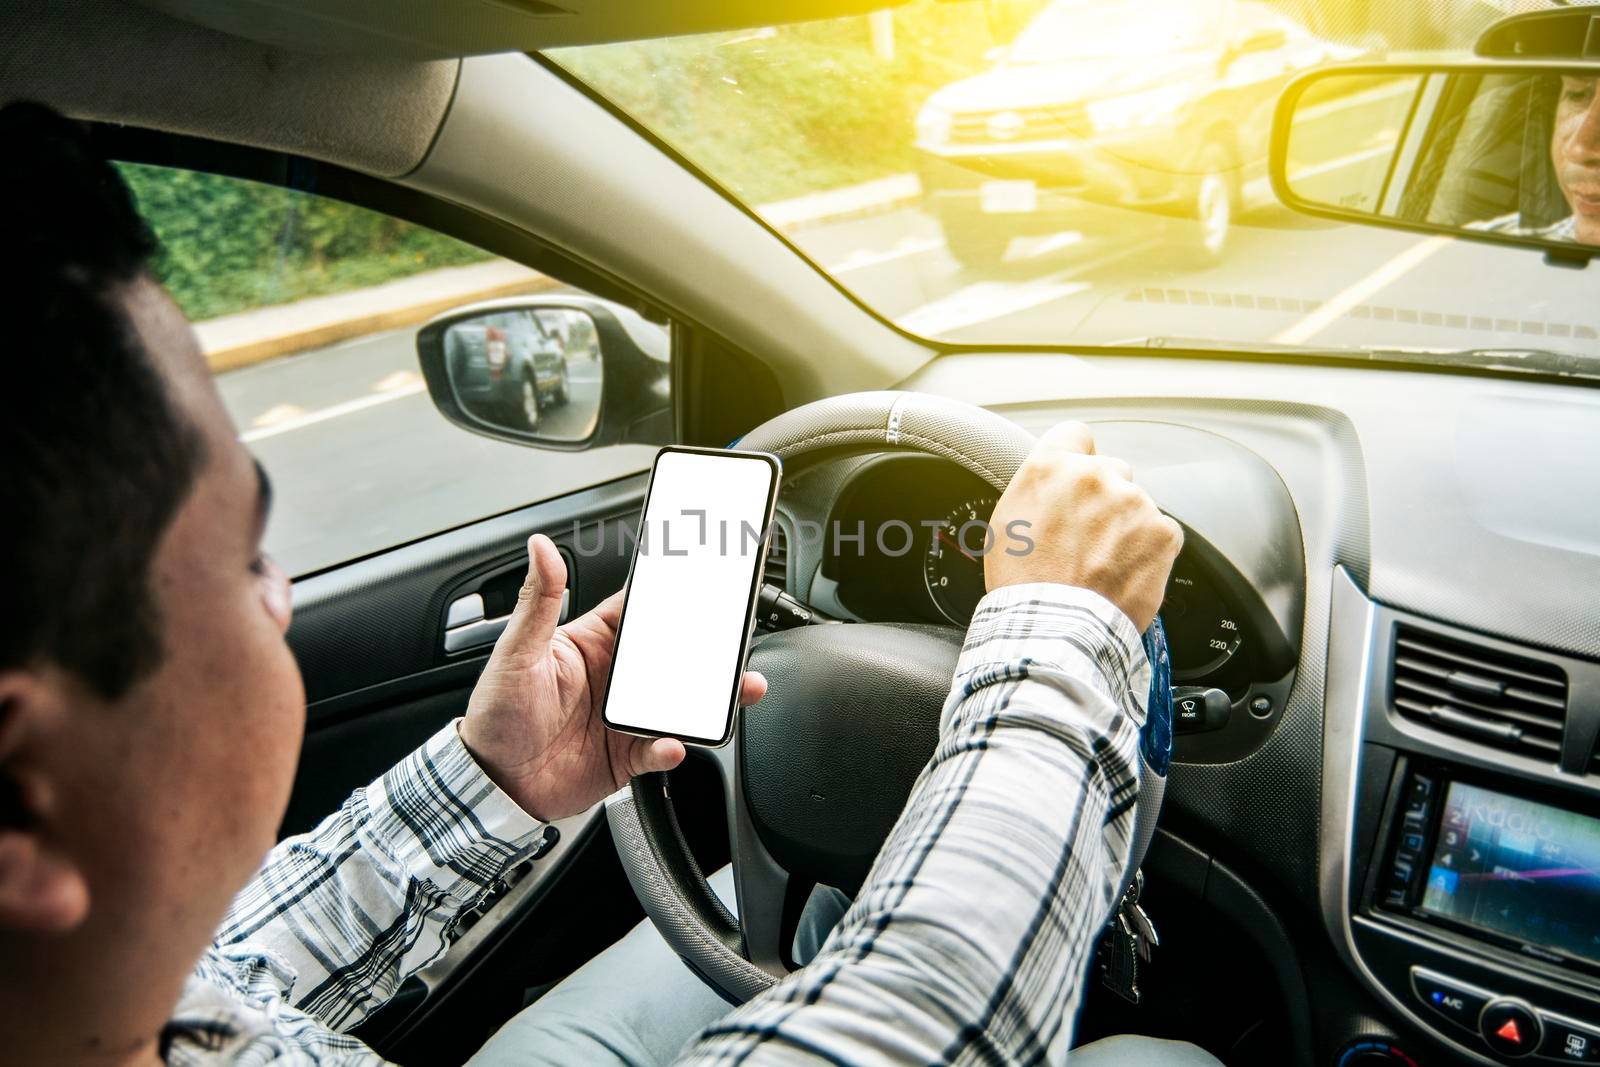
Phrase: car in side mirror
(561, 371)
(1500, 151)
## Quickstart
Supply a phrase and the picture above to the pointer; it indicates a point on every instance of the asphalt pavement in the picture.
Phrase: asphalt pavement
(361, 461)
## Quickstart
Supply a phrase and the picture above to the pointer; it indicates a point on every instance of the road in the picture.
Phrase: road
(361, 461)
(1125, 279)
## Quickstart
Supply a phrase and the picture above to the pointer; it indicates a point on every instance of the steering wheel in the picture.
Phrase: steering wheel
(819, 770)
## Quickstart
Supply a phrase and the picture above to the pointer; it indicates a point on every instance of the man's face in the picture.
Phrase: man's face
(172, 795)
(1575, 151)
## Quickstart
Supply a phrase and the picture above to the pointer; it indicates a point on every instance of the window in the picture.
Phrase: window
(307, 309)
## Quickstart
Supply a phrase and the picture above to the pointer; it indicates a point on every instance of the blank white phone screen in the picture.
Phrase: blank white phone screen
(678, 652)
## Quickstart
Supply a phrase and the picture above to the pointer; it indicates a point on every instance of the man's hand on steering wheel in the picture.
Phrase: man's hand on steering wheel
(1091, 526)
(533, 722)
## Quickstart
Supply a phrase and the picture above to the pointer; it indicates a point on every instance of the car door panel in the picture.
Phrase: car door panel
(370, 636)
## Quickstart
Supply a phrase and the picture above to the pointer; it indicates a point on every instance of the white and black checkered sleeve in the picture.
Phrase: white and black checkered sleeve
(970, 940)
(337, 918)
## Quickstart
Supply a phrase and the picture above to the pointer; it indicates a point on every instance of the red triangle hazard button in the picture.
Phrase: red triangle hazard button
(1510, 1028)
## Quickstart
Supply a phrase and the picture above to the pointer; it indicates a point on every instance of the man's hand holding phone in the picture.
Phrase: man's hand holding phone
(533, 722)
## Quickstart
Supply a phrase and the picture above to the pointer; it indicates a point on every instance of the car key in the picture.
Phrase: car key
(1144, 930)
(1130, 937)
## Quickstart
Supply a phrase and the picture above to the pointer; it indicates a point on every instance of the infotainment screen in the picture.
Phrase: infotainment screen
(1514, 867)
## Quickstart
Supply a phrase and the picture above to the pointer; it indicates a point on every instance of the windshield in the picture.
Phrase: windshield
(1085, 172)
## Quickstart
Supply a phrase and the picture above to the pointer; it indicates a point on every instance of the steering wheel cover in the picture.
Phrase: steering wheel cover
(675, 894)
(650, 845)
(984, 443)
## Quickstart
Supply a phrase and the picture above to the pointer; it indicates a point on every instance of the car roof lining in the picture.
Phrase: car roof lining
(113, 61)
(432, 29)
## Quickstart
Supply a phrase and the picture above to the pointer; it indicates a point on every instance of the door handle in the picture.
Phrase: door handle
(465, 627)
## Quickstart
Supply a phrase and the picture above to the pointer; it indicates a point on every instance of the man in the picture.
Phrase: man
(1575, 154)
(1570, 105)
(150, 715)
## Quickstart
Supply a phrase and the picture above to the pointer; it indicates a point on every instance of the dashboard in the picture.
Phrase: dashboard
(1395, 589)
(900, 537)
(913, 531)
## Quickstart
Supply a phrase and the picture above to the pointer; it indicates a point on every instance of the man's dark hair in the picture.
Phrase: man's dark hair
(95, 459)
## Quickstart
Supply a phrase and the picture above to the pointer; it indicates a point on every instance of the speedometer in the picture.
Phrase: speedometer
(1203, 633)
(953, 566)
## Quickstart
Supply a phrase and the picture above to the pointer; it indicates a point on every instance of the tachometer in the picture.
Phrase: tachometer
(953, 567)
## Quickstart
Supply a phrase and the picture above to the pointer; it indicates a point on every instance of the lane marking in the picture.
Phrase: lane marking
(967, 306)
(396, 386)
(400, 379)
(1338, 162)
(1054, 243)
(278, 413)
(334, 412)
(862, 258)
(1336, 306)
(907, 247)
(983, 301)
(1450, 320)
(1344, 103)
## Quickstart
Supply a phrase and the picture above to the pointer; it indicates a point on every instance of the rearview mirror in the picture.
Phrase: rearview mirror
(557, 371)
(1507, 152)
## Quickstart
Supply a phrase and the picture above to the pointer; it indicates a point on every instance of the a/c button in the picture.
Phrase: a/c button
(1456, 1001)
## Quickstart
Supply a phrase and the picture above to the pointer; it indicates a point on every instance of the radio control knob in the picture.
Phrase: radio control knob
(1373, 1052)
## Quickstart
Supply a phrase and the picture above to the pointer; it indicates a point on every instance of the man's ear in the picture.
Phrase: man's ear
(42, 891)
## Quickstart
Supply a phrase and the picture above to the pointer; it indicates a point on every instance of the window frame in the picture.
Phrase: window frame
(707, 370)
(700, 358)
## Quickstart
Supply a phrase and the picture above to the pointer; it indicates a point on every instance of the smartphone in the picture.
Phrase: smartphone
(690, 603)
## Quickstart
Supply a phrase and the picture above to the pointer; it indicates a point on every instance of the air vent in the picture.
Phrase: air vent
(777, 571)
(1509, 702)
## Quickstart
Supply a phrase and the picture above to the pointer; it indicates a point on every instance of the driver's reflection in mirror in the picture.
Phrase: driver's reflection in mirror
(1575, 153)
(1574, 156)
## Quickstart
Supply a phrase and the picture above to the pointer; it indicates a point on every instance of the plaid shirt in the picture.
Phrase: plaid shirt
(336, 919)
(968, 942)
(970, 939)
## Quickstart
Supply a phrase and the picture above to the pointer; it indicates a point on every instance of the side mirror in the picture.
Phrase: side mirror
(560, 371)
(1505, 152)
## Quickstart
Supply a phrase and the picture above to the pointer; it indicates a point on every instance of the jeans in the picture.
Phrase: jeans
(637, 1005)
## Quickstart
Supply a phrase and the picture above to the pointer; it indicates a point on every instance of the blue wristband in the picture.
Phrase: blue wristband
(1155, 742)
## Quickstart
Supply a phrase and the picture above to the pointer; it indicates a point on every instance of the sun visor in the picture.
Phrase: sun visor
(434, 29)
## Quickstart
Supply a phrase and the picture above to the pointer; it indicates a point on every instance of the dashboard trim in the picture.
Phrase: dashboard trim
(1351, 636)
(1357, 628)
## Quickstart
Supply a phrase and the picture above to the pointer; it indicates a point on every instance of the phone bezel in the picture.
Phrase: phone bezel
(775, 465)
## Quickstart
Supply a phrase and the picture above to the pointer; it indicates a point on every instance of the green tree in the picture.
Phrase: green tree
(230, 245)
